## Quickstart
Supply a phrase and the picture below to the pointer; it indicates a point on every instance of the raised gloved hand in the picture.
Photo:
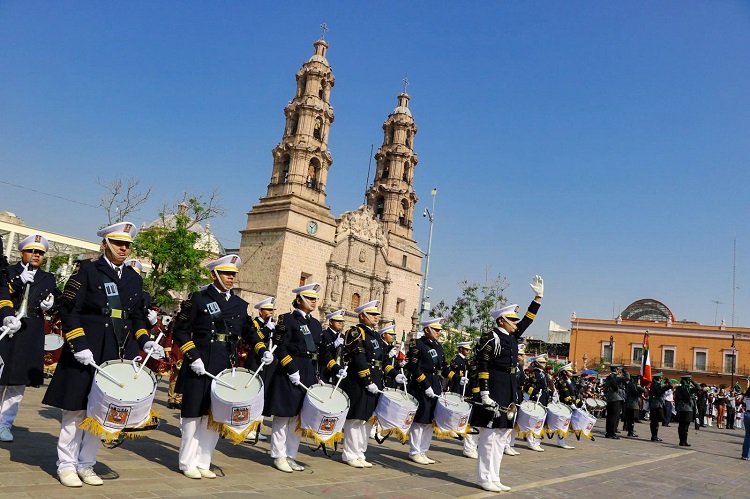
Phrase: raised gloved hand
(267, 358)
(294, 378)
(158, 350)
(372, 388)
(486, 400)
(198, 367)
(537, 284)
(271, 325)
(341, 374)
(47, 303)
(13, 324)
(27, 275)
(400, 379)
(393, 352)
(464, 380)
(85, 357)
(338, 342)
(153, 317)
(430, 393)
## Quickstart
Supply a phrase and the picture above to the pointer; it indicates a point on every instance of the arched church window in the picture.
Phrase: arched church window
(408, 139)
(393, 135)
(301, 86)
(388, 136)
(379, 207)
(402, 214)
(386, 169)
(317, 131)
(293, 124)
(405, 175)
(285, 170)
(322, 91)
(313, 171)
(355, 301)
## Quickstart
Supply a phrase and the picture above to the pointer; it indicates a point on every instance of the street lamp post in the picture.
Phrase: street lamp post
(611, 350)
(734, 361)
(423, 293)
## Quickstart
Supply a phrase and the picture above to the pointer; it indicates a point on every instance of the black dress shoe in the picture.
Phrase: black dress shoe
(634, 435)
(687, 444)
(656, 439)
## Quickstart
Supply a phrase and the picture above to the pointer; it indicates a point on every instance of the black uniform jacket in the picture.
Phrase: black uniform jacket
(6, 306)
(656, 395)
(299, 342)
(24, 353)
(261, 338)
(457, 369)
(567, 391)
(329, 339)
(88, 318)
(426, 362)
(198, 335)
(366, 355)
(684, 401)
(497, 361)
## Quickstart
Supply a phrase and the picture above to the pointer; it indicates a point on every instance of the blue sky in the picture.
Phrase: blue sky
(601, 144)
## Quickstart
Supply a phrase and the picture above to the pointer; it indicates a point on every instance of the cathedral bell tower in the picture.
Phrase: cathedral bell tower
(289, 233)
(391, 195)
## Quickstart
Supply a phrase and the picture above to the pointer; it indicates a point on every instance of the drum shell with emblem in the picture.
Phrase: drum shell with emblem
(452, 414)
(530, 418)
(238, 408)
(395, 411)
(558, 418)
(324, 421)
(582, 421)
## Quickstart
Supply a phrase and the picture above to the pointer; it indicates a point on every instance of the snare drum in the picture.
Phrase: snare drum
(324, 421)
(53, 342)
(602, 405)
(395, 413)
(451, 415)
(235, 413)
(582, 423)
(530, 419)
(558, 420)
(114, 411)
(591, 404)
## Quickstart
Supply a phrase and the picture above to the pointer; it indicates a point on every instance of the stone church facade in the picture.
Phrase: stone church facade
(291, 237)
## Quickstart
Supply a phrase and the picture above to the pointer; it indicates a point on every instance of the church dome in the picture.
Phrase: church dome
(648, 310)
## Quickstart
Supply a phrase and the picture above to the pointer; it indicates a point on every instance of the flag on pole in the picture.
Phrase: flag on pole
(645, 362)
(402, 348)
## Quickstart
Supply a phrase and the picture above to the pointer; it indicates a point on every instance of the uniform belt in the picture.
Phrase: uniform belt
(306, 355)
(116, 313)
(35, 313)
(510, 370)
(219, 338)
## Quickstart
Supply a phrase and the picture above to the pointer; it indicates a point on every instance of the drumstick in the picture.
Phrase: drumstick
(106, 374)
(4, 330)
(312, 394)
(150, 352)
(220, 381)
(261, 366)
(337, 384)
(404, 383)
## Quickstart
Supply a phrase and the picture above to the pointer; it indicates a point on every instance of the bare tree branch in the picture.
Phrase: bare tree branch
(121, 199)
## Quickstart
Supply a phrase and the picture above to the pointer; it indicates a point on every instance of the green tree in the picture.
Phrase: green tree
(170, 247)
(470, 315)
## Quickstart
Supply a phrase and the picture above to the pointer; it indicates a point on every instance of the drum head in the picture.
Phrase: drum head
(601, 403)
(455, 402)
(134, 389)
(533, 409)
(401, 398)
(335, 402)
(561, 409)
(53, 342)
(239, 380)
(591, 403)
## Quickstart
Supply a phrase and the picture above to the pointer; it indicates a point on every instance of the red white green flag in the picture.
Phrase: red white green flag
(645, 362)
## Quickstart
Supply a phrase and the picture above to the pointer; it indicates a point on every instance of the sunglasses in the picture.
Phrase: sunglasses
(35, 252)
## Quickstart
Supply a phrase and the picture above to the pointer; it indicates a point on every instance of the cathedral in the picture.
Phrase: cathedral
(291, 237)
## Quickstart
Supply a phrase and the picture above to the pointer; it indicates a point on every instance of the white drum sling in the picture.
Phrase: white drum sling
(114, 409)
(530, 419)
(451, 415)
(323, 419)
(581, 423)
(395, 413)
(558, 420)
(236, 412)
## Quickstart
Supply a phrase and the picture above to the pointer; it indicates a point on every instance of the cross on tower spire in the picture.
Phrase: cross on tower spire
(324, 27)
(406, 82)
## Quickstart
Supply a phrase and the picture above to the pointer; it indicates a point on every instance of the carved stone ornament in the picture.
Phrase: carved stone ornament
(360, 223)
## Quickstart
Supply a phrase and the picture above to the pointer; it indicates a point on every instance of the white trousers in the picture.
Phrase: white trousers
(561, 441)
(533, 440)
(76, 449)
(420, 437)
(512, 439)
(356, 433)
(492, 443)
(197, 443)
(9, 403)
(470, 442)
(284, 442)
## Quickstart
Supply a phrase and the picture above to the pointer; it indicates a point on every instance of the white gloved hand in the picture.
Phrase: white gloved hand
(338, 342)
(430, 393)
(198, 367)
(267, 357)
(537, 284)
(294, 378)
(85, 357)
(158, 350)
(341, 374)
(464, 380)
(400, 379)
(47, 303)
(271, 325)
(27, 276)
(486, 400)
(393, 352)
(152, 316)
(372, 388)
(13, 324)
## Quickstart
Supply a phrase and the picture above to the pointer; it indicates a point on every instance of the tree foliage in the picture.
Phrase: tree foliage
(170, 247)
(470, 315)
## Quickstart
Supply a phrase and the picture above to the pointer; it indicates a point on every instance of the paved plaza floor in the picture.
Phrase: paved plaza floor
(604, 468)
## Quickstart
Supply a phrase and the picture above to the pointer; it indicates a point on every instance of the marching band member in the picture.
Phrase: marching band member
(497, 355)
(426, 362)
(537, 386)
(24, 354)
(392, 365)
(298, 337)
(207, 330)
(366, 356)
(568, 395)
(332, 337)
(457, 378)
(102, 314)
(521, 380)
(261, 337)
